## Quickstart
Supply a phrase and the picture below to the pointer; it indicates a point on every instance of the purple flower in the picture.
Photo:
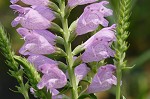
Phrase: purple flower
(103, 79)
(73, 3)
(38, 60)
(92, 17)
(81, 71)
(53, 78)
(55, 94)
(97, 52)
(50, 37)
(32, 90)
(36, 44)
(45, 12)
(100, 7)
(98, 46)
(105, 36)
(32, 2)
(29, 18)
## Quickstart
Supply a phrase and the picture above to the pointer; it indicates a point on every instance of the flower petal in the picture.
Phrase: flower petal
(55, 78)
(103, 80)
(81, 71)
(38, 60)
(93, 16)
(36, 44)
(73, 3)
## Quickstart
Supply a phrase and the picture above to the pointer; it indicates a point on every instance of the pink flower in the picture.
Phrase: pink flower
(73, 3)
(93, 16)
(103, 79)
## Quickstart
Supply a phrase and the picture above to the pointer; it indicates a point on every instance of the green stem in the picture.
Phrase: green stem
(25, 92)
(71, 71)
(68, 49)
(121, 45)
(119, 77)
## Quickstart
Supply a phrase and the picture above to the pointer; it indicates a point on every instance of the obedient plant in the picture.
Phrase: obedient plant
(53, 67)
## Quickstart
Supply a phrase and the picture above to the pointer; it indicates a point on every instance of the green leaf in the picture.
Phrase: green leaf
(127, 68)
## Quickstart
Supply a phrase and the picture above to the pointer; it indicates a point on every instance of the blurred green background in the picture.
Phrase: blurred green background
(136, 82)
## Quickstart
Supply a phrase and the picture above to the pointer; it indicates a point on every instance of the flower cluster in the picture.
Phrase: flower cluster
(35, 21)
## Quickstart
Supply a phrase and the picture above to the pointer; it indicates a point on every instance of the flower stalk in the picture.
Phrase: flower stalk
(68, 49)
(121, 45)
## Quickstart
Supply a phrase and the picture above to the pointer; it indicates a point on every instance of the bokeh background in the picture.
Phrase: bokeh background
(136, 82)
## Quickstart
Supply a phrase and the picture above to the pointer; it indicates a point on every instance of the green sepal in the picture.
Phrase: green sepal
(78, 49)
(62, 65)
(60, 52)
(67, 11)
(54, 7)
(73, 25)
(72, 36)
(55, 27)
(77, 61)
(59, 40)
(72, 30)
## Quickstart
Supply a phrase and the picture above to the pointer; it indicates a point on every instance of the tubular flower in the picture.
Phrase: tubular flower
(98, 46)
(45, 12)
(29, 18)
(97, 52)
(53, 78)
(103, 79)
(73, 3)
(36, 44)
(93, 16)
(81, 71)
(105, 36)
(38, 60)
(55, 94)
(32, 2)
(50, 37)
